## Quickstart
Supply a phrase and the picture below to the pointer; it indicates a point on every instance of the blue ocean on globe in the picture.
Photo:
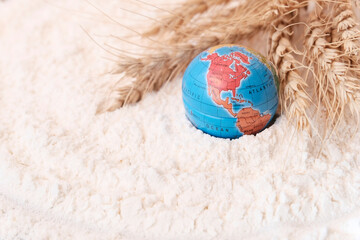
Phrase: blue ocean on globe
(229, 91)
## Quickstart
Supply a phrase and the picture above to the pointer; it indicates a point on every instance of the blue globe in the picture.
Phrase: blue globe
(229, 91)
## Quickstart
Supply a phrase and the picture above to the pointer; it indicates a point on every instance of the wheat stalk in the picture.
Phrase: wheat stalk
(294, 100)
(218, 19)
(335, 84)
(331, 45)
(152, 70)
(345, 29)
(183, 15)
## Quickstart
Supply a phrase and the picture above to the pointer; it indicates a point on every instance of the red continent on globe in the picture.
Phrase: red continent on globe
(250, 121)
(225, 74)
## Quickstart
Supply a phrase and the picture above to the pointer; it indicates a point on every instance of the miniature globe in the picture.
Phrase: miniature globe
(229, 91)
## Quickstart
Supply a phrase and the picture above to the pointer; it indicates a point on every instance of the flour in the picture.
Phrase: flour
(143, 171)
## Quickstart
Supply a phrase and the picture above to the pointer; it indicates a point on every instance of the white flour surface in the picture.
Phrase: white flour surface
(143, 171)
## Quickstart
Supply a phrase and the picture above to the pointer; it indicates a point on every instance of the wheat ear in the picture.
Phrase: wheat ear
(345, 29)
(151, 71)
(217, 19)
(293, 98)
(335, 85)
(183, 15)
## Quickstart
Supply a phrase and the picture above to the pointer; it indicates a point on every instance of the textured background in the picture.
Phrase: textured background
(143, 172)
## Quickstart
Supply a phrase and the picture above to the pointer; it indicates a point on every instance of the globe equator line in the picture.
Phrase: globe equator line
(207, 115)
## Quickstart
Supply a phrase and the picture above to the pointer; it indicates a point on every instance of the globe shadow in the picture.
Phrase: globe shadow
(273, 120)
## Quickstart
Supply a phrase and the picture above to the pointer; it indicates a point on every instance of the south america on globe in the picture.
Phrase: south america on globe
(230, 91)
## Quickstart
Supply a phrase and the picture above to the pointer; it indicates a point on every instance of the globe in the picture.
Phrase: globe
(230, 91)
